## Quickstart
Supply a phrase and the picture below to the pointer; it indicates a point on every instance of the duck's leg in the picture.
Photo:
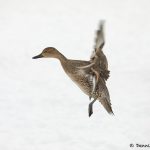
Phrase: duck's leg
(96, 73)
(95, 81)
(90, 97)
(92, 80)
(90, 109)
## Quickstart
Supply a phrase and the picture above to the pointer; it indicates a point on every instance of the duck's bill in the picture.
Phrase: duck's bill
(38, 56)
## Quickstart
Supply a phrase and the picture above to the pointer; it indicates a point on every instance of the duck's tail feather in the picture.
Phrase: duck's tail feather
(107, 106)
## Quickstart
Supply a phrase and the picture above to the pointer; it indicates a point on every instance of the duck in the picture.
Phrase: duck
(89, 75)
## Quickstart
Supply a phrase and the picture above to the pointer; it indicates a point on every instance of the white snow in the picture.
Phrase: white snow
(40, 107)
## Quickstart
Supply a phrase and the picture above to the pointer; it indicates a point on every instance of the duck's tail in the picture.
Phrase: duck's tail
(107, 106)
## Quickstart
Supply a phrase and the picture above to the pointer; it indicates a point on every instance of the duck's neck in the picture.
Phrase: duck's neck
(61, 57)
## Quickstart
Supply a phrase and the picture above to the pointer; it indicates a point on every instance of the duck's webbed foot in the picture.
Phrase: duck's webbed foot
(90, 109)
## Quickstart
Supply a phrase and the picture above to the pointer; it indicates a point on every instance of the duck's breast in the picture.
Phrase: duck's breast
(82, 79)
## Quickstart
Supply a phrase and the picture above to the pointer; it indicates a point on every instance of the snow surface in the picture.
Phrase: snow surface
(40, 107)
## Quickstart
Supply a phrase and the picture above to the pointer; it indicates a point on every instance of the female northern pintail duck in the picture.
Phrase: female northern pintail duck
(90, 75)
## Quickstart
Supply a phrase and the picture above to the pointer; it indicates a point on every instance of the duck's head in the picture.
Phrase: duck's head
(47, 52)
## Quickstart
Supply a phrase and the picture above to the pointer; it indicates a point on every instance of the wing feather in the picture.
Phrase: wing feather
(100, 39)
(98, 57)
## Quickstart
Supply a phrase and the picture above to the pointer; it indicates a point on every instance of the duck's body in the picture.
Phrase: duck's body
(79, 76)
(83, 77)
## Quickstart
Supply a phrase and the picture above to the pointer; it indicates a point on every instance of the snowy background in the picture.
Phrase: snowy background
(40, 107)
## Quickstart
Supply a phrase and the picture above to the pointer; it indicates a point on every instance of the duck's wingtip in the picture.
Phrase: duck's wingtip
(102, 21)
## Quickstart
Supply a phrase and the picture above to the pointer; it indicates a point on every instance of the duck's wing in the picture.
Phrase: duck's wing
(98, 57)
(100, 38)
(97, 54)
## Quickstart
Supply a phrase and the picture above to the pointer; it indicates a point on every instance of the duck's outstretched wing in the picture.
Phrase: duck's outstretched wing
(98, 58)
(97, 54)
(100, 38)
